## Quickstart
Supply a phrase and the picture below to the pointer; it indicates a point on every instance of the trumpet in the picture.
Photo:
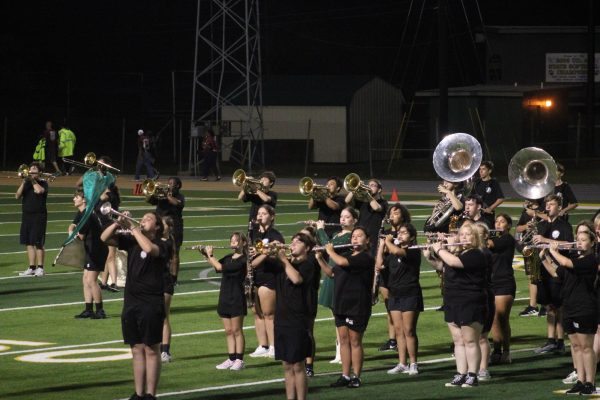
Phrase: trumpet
(203, 247)
(352, 183)
(152, 188)
(249, 184)
(314, 223)
(106, 209)
(24, 173)
(90, 161)
(307, 187)
(337, 246)
(426, 246)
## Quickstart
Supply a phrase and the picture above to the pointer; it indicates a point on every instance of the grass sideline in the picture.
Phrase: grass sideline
(41, 310)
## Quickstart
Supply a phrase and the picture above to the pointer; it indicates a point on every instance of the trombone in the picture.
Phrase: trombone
(307, 187)
(106, 209)
(352, 183)
(90, 161)
(152, 188)
(248, 184)
(24, 173)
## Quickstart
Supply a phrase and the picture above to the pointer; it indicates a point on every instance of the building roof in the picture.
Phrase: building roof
(515, 90)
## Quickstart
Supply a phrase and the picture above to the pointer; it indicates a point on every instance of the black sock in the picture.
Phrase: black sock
(166, 348)
(560, 342)
(32, 266)
(393, 342)
(309, 366)
(99, 307)
(239, 356)
(471, 374)
(89, 307)
(266, 347)
(232, 356)
(40, 266)
(552, 340)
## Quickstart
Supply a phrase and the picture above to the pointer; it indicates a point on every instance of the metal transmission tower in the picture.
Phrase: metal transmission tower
(227, 72)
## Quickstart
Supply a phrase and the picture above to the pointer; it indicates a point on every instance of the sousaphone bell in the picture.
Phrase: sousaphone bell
(532, 172)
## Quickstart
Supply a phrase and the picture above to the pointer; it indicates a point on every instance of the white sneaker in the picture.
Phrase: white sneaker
(271, 353)
(413, 369)
(398, 369)
(225, 364)
(27, 272)
(165, 357)
(39, 272)
(259, 352)
(336, 360)
(484, 375)
(237, 365)
(571, 378)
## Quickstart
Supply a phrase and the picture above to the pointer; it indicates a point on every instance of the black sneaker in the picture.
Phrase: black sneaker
(457, 381)
(529, 312)
(341, 382)
(85, 314)
(354, 382)
(148, 397)
(388, 346)
(588, 389)
(542, 312)
(100, 314)
(576, 389)
(135, 397)
(103, 286)
(310, 372)
(112, 288)
(470, 381)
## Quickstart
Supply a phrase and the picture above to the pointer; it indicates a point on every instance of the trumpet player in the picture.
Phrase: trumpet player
(405, 300)
(33, 193)
(267, 180)
(172, 206)
(331, 206)
(555, 229)
(371, 212)
(232, 302)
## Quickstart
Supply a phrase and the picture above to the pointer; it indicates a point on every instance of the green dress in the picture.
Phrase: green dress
(326, 292)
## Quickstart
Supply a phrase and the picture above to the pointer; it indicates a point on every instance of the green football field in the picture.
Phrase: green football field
(47, 354)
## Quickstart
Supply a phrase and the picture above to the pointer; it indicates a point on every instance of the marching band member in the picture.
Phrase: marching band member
(169, 289)
(267, 179)
(397, 215)
(296, 297)
(33, 193)
(450, 199)
(464, 300)
(353, 279)
(580, 305)
(265, 266)
(330, 207)
(504, 287)
(488, 189)
(549, 287)
(405, 300)
(564, 191)
(112, 195)
(144, 304)
(371, 212)
(474, 211)
(348, 219)
(232, 301)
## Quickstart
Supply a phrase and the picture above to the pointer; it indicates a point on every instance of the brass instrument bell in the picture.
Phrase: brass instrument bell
(352, 183)
(249, 184)
(457, 157)
(532, 172)
(307, 187)
(152, 188)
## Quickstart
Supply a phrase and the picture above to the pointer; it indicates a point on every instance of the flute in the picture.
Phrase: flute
(337, 246)
(426, 246)
(314, 223)
(201, 247)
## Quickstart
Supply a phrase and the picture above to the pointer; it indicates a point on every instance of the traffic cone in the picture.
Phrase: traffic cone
(394, 196)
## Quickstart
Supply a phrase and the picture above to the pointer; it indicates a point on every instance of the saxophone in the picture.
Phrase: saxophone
(531, 255)
(250, 289)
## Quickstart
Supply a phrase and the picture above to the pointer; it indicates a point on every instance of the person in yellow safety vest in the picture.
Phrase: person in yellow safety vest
(66, 148)
(39, 154)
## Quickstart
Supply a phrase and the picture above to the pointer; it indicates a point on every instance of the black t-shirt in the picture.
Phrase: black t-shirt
(559, 229)
(353, 285)
(404, 273)
(312, 295)
(164, 208)
(264, 273)
(445, 226)
(32, 202)
(145, 273)
(232, 300)
(467, 284)
(490, 191)
(371, 220)
(114, 197)
(331, 216)
(96, 251)
(565, 193)
(503, 253)
(292, 301)
(578, 289)
(257, 202)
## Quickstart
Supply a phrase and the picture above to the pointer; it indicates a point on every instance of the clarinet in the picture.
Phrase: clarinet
(249, 281)
(376, 276)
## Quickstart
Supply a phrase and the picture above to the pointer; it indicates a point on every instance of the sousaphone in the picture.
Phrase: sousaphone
(532, 172)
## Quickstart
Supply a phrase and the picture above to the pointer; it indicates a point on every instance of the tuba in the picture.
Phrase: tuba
(455, 159)
(152, 188)
(248, 184)
(352, 183)
(307, 187)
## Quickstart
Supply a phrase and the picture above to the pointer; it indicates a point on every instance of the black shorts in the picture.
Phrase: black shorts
(33, 229)
(586, 324)
(292, 345)
(354, 323)
(490, 312)
(465, 314)
(549, 292)
(143, 323)
(506, 289)
(169, 284)
(384, 277)
(90, 266)
(405, 303)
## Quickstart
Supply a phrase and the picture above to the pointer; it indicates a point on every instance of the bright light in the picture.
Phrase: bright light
(548, 103)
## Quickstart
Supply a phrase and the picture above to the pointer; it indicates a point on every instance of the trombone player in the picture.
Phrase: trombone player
(263, 195)
(330, 206)
(33, 193)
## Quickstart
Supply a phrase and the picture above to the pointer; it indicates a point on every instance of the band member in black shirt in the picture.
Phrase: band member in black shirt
(405, 300)
(464, 300)
(265, 266)
(549, 287)
(296, 295)
(33, 193)
(269, 197)
(580, 305)
(504, 286)
(330, 207)
(564, 191)
(113, 196)
(172, 205)
(353, 279)
(96, 253)
(474, 211)
(450, 205)
(489, 189)
(232, 301)
(371, 212)
(144, 304)
(168, 289)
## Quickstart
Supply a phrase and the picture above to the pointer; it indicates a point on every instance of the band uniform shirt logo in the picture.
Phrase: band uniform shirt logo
(349, 321)
(265, 241)
(143, 255)
(559, 194)
(555, 234)
(488, 190)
